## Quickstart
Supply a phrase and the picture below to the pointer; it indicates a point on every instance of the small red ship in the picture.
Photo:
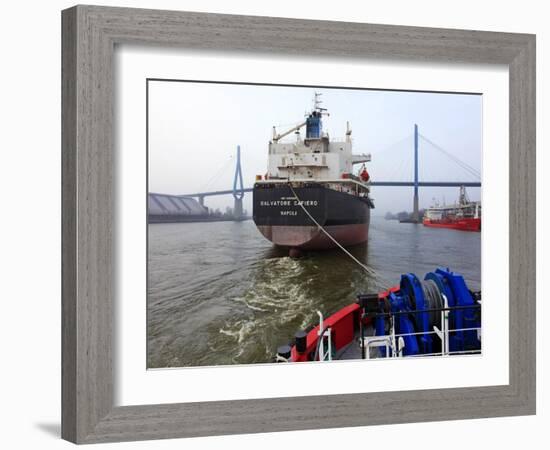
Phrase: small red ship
(465, 215)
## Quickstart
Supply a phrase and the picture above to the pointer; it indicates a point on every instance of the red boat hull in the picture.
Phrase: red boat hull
(312, 238)
(465, 224)
(343, 324)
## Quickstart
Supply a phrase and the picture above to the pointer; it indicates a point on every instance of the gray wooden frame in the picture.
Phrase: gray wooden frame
(89, 36)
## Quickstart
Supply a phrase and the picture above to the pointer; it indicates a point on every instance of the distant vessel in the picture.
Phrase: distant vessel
(465, 215)
(309, 197)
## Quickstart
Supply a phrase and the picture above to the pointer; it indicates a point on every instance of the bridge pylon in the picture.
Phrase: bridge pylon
(416, 214)
(238, 193)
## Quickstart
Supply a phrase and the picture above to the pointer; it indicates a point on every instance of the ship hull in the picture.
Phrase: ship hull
(466, 224)
(280, 218)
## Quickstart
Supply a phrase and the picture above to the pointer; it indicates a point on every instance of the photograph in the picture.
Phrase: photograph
(311, 223)
(246, 225)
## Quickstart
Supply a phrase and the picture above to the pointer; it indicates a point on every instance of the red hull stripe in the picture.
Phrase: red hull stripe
(460, 224)
(311, 238)
(342, 330)
(342, 323)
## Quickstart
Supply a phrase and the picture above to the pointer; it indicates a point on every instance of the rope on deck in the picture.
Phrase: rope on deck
(365, 267)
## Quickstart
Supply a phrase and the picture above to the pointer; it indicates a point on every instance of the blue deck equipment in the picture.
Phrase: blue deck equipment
(417, 308)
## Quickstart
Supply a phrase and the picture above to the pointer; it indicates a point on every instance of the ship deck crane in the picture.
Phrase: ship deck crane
(276, 136)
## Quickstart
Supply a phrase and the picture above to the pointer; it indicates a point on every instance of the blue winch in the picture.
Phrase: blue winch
(438, 314)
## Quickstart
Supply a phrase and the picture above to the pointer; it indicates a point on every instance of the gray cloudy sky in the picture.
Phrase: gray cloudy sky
(194, 129)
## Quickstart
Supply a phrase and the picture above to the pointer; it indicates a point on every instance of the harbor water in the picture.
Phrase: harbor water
(219, 293)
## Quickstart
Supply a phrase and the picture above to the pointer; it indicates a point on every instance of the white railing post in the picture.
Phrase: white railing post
(445, 325)
(400, 345)
(329, 345)
(320, 334)
(393, 343)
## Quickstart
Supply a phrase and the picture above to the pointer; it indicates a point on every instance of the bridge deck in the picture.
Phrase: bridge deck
(373, 183)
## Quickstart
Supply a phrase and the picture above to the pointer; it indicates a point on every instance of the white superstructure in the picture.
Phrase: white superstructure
(313, 156)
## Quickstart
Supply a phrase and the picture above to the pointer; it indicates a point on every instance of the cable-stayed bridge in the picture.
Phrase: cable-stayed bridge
(238, 190)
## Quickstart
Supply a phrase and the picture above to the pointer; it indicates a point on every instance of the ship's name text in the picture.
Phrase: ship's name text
(289, 202)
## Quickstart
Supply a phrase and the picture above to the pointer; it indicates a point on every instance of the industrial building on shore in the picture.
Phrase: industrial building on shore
(164, 208)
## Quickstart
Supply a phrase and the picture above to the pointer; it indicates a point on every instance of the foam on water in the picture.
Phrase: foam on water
(219, 293)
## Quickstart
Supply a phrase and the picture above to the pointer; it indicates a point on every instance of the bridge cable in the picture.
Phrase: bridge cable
(365, 267)
(217, 174)
(400, 168)
(392, 146)
(462, 164)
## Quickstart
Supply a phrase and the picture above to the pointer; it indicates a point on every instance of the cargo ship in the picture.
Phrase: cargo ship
(309, 199)
(464, 215)
(435, 316)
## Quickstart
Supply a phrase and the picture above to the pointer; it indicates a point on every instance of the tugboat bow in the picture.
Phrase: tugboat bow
(436, 316)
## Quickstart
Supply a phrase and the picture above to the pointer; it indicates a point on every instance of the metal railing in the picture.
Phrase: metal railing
(394, 344)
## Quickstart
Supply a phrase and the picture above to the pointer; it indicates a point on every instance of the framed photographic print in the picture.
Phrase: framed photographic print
(265, 230)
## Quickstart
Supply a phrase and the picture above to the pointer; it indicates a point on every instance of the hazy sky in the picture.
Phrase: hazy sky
(194, 129)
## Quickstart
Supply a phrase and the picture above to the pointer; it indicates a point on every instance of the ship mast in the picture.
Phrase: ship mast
(312, 123)
(463, 197)
(317, 103)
